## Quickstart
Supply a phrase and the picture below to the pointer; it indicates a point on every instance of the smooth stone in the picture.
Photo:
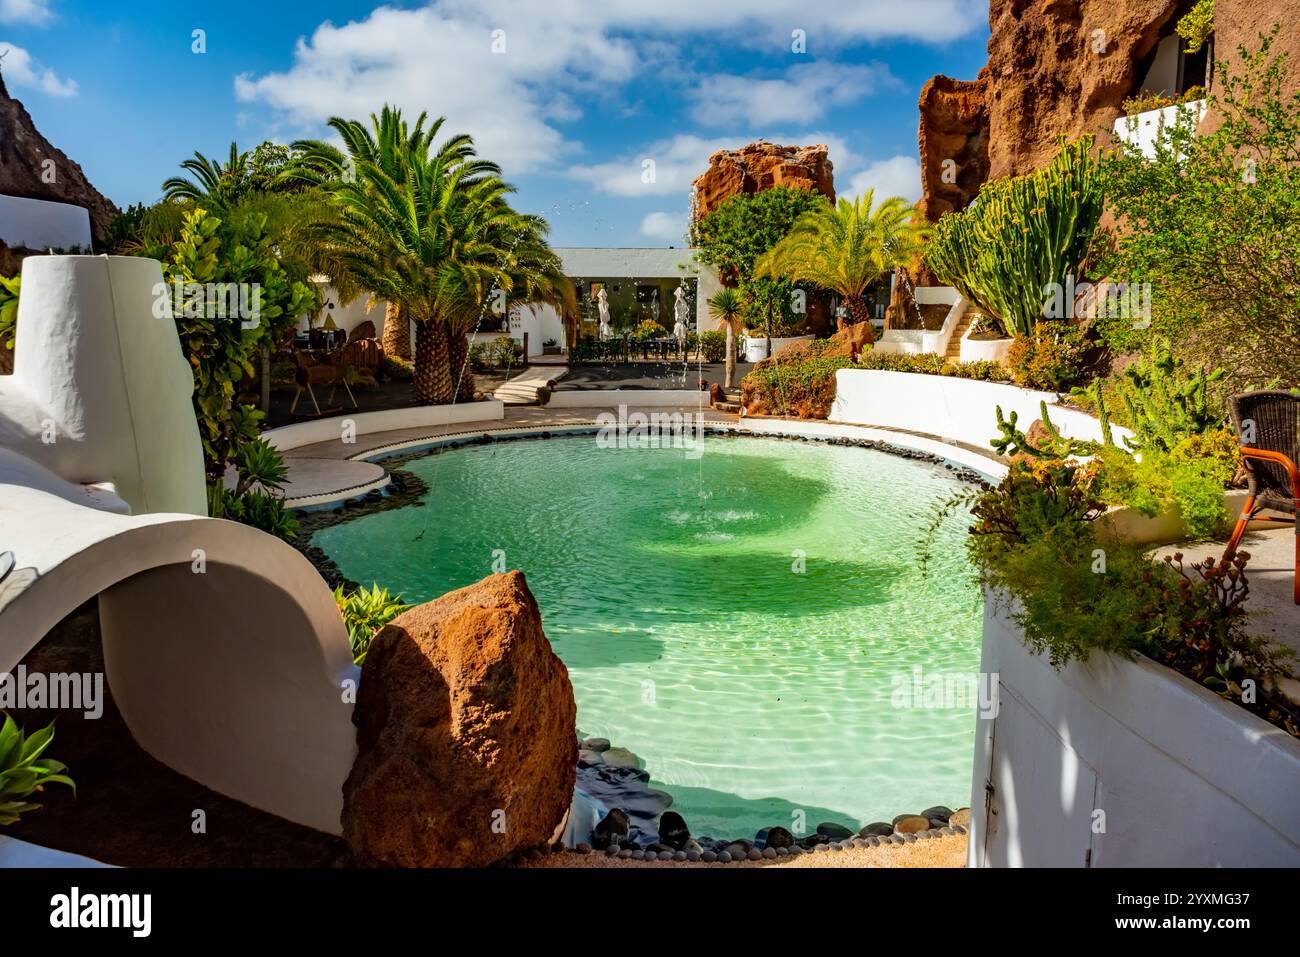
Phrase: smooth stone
(896, 839)
(778, 837)
(596, 744)
(769, 853)
(755, 854)
(694, 846)
(873, 841)
(948, 830)
(938, 811)
(589, 759)
(613, 829)
(673, 830)
(666, 855)
(910, 824)
(627, 855)
(725, 857)
(613, 850)
(877, 829)
(959, 829)
(837, 847)
(638, 855)
(694, 855)
(960, 816)
(836, 832)
(620, 758)
(910, 837)
(708, 857)
(658, 847)
(739, 848)
(679, 856)
(822, 847)
(782, 851)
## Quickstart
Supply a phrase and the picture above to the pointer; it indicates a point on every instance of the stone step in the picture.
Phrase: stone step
(732, 407)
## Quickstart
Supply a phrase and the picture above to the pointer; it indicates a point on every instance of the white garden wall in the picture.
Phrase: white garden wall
(41, 224)
(1124, 763)
(364, 423)
(962, 410)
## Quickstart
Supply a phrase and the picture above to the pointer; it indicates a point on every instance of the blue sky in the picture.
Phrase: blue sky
(571, 97)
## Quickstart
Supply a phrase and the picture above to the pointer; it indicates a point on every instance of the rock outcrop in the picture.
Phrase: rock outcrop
(760, 166)
(1061, 67)
(465, 733)
(24, 171)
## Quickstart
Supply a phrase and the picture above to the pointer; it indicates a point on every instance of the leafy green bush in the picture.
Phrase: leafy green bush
(1051, 358)
(929, 364)
(364, 613)
(400, 370)
(1163, 403)
(1197, 25)
(711, 344)
(23, 771)
(803, 387)
(9, 289)
(649, 329)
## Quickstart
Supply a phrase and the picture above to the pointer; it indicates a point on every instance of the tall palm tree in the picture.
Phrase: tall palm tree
(847, 247)
(215, 186)
(727, 306)
(386, 144)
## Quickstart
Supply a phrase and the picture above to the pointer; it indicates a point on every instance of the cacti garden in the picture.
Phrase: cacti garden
(1020, 235)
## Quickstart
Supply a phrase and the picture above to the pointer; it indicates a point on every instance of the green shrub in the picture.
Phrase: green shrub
(364, 613)
(804, 387)
(9, 289)
(929, 364)
(1197, 25)
(649, 329)
(23, 770)
(399, 370)
(1052, 358)
(711, 344)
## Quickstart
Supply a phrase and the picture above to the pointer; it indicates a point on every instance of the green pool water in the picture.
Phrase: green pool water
(748, 620)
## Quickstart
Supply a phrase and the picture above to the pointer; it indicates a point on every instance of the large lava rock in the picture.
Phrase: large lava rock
(760, 166)
(465, 733)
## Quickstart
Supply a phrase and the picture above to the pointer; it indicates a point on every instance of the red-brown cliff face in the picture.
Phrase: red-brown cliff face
(24, 171)
(1062, 67)
(761, 166)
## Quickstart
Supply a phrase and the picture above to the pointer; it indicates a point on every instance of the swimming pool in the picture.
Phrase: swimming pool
(747, 616)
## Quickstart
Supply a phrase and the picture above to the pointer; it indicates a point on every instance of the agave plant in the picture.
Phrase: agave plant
(364, 613)
(23, 771)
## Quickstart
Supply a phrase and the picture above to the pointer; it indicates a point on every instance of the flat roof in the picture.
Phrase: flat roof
(628, 261)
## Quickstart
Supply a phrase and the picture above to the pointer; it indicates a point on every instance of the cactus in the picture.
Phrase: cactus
(1012, 441)
(1164, 404)
(1021, 235)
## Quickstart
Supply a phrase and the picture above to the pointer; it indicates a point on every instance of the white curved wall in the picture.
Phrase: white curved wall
(100, 390)
(42, 224)
(413, 417)
(963, 410)
(1120, 763)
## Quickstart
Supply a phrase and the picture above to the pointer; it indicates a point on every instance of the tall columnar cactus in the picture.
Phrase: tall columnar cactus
(1165, 403)
(1020, 236)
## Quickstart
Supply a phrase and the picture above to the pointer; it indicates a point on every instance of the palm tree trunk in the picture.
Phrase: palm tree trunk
(432, 371)
(462, 376)
(397, 332)
(859, 310)
(731, 357)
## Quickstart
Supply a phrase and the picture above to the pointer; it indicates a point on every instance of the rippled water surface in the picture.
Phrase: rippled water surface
(667, 584)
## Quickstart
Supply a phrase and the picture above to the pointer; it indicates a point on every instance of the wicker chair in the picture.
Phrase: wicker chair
(1269, 424)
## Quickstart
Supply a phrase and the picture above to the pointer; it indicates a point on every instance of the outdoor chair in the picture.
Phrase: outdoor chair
(331, 370)
(363, 330)
(1268, 423)
(364, 357)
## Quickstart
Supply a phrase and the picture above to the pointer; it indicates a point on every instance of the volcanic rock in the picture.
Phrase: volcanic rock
(465, 733)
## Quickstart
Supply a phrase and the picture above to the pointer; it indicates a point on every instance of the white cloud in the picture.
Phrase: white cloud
(558, 58)
(896, 176)
(29, 12)
(804, 93)
(20, 69)
(669, 227)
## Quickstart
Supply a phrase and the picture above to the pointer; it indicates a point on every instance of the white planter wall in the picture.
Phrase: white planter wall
(964, 410)
(1143, 130)
(41, 224)
(632, 398)
(926, 341)
(414, 417)
(984, 350)
(1181, 777)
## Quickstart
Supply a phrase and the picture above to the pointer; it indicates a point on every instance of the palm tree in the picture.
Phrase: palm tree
(387, 144)
(430, 230)
(726, 305)
(847, 247)
(215, 187)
